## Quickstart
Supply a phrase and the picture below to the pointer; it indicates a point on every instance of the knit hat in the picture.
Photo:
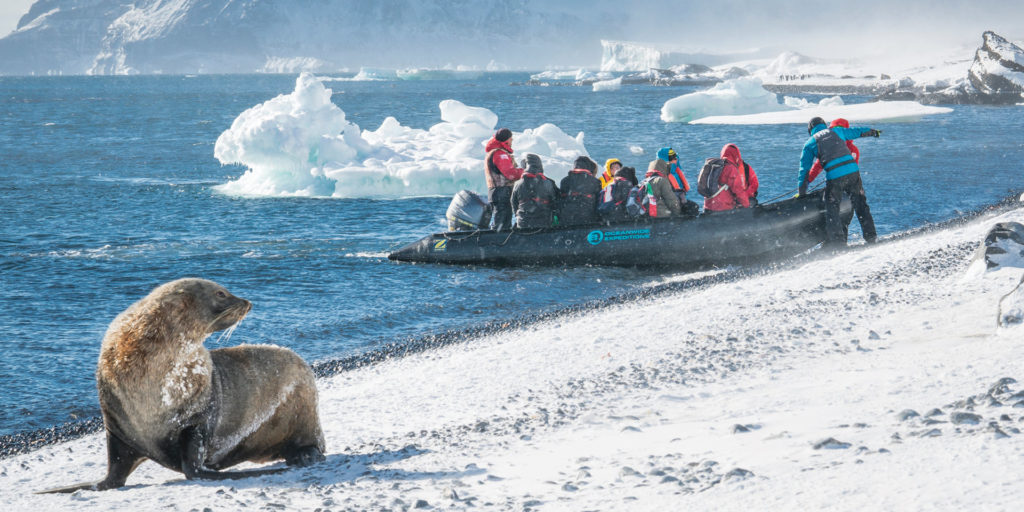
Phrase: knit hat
(815, 121)
(584, 162)
(532, 164)
(667, 154)
(658, 165)
(629, 173)
(502, 135)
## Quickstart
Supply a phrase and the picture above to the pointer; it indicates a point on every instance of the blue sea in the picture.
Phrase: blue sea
(107, 190)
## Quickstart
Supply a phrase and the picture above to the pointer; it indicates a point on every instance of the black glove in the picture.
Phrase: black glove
(873, 133)
(802, 191)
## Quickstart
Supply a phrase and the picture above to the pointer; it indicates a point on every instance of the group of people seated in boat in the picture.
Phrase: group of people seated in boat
(584, 197)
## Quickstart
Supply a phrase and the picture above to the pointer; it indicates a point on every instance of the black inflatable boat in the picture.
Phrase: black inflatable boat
(768, 231)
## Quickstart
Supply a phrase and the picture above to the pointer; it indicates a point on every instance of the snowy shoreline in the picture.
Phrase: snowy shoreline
(578, 412)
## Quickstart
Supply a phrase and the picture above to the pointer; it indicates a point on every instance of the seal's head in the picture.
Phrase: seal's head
(187, 309)
(206, 305)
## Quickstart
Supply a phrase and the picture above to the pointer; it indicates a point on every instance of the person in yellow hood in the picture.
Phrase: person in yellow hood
(610, 166)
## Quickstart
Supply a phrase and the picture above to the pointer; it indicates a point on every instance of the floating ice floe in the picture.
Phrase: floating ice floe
(301, 144)
(608, 85)
(891, 111)
(737, 96)
(745, 101)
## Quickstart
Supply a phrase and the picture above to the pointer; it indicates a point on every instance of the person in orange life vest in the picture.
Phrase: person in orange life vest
(535, 196)
(733, 191)
(579, 194)
(501, 173)
(675, 175)
(817, 167)
(663, 200)
(611, 166)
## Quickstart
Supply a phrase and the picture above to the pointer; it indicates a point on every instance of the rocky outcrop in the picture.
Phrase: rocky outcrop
(996, 77)
(1003, 245)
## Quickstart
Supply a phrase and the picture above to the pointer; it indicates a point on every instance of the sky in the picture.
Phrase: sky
(917, 29)
(10, 12)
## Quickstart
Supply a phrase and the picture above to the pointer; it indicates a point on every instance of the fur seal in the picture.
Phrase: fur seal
(165, 397)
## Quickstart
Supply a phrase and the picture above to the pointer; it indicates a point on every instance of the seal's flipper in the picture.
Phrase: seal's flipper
(304, 456)
(193, 457)
(121, 461)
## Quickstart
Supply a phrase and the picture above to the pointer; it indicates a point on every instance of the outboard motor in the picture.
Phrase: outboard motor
(468, 212)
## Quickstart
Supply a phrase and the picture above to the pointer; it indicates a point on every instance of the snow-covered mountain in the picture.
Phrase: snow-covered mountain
(231, 36)
(995, 76)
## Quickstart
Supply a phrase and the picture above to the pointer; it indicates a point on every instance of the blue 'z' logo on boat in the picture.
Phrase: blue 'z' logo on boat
(595, 237)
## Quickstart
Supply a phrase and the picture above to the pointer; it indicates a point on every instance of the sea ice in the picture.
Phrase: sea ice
(608, 85)
(737, 96)
(861, 113)
(301, 144)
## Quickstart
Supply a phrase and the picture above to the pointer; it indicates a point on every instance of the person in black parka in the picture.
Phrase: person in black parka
(534, 196)
(580, 193)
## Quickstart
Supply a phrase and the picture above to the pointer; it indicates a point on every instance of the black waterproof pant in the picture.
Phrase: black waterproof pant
(835, 228)
(501, 204)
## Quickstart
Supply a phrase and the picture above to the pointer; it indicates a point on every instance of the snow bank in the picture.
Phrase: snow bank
(608, 85)
(300, 144)
(736, 96)
(781, 389)
(890, 111)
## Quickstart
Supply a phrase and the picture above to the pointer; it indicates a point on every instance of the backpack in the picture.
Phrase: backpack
(642, 201)
(612, 198)
(709, 182)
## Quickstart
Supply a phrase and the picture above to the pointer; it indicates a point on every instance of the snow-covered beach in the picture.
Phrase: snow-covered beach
(778, 390)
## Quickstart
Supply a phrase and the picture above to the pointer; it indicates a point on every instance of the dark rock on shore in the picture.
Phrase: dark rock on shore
(1004, 243)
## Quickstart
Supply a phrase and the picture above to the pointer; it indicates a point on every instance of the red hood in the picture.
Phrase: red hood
(495, 144)
(732, 153)
(839, 122)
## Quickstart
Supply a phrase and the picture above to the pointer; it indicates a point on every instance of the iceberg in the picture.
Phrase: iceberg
(745, 101)
(301, 144)
(861, 113)
(608, 85)
(736, 96)
(636, 56)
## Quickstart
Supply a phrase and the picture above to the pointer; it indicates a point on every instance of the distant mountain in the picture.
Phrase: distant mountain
(238, 36)
(996, 77)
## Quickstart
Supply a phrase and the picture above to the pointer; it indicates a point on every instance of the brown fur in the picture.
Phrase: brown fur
(163, 393)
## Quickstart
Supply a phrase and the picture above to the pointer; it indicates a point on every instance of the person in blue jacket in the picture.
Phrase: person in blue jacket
(829, 146)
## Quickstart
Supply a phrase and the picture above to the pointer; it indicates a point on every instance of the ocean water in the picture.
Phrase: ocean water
(106, 191)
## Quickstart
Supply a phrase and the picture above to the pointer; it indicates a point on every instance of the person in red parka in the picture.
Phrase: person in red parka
(501, 173)
(735, 191)
(816, 168)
